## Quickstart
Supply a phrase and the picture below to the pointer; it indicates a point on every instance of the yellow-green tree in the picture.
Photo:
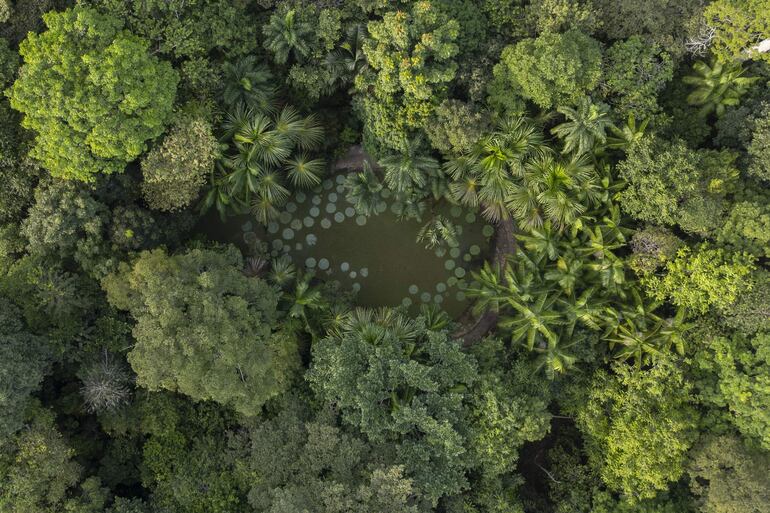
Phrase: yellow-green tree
(92, 92)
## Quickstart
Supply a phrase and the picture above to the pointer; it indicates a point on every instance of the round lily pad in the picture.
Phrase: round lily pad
(330, 208)
(308, 222)
(456, 211)
(454, 252)
(328, 184)
(333, 197)
(487, 231)
(364, 272)
(474, 250)
(340, 179)
(353, 274)
(350, 211)
(296, 224)
(395, 208)
(459, 272)
(382, 207)
(385, 193)
(425, 297)
(339, 217)
(460, 296)
(277, 244)
(310, 262)
(246, 227)
(311, 239)
(340, 189)
(316, 200)
(284, 217)
(287, 234)
(272, 227)
(361, 220)
(451, 281)
(449, 265)
(438, 299)
(440, 252)
(356, 287)
(323, 264)
(467, 257)
(413, 289)
(314, 211)
(325, 223)
(291, 207)
(344, 267)
(441, 287)
(407, 302)
(300, 197)
(470, 217)
(250, 238)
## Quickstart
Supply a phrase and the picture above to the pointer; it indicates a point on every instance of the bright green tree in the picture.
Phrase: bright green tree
(706, 277)
(740, 27)
(741, 364)
(551, 70)
(638, 427)
(410, 64)
(92, 92)
(203, 328)
(717, 86)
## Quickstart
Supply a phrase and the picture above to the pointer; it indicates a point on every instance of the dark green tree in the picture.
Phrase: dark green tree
(203, 328)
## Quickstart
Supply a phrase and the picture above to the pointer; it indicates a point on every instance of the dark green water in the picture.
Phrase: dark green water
(377, 256)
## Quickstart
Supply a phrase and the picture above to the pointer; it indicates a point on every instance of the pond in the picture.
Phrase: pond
(376, 256)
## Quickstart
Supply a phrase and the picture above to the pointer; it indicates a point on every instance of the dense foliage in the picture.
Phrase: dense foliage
(161, 351)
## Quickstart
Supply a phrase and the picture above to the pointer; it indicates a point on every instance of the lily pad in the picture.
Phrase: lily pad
(287, 234)
(323, 264)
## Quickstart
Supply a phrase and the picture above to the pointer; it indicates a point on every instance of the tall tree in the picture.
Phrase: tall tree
(203, 328)
(92, 92)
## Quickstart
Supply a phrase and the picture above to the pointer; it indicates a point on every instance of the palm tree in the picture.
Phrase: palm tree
(636, 343)
(624, 137)
(717, 86)
(439, 231)
(349, 59)
(586, 126)
(364, 190)
(554, 359)
(552, 190)
(249, 85)
(408, 171)
(285, 36)
(282, 271)
(304, 299)
(261, 152)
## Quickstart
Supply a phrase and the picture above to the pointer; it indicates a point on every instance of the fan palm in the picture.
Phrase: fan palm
(407, 171)
(285, 36)
(717, 86)
(261, 151)
(249, 85)
(364, 190)
(586, 126)
(552, 190)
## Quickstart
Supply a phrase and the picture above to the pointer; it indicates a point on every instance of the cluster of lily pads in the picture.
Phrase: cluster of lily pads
(308, 215)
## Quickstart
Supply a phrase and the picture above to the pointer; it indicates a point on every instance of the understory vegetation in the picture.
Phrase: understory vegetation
(612, 354)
